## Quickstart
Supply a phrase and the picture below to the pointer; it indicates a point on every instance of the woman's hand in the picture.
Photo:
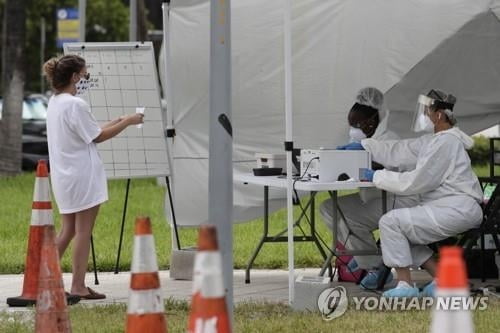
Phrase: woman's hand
(134, 119)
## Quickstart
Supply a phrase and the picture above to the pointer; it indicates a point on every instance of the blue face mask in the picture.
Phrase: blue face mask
(356, 134)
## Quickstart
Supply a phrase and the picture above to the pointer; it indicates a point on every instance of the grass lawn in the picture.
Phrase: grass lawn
(257, 318)
(145, 198)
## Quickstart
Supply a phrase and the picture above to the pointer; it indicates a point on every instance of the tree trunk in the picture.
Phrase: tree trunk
(13, 76)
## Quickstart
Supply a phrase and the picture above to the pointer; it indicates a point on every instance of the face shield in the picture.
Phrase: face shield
(421, 121)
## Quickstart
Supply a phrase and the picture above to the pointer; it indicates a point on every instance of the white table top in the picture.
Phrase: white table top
(310, 185)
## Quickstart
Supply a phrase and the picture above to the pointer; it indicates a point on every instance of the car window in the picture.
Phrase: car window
(33, 108)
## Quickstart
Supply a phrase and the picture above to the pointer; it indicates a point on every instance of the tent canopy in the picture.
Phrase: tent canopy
(404, 48)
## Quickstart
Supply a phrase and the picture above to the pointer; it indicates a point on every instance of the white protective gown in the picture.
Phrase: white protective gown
(448, 190)
(362, 211)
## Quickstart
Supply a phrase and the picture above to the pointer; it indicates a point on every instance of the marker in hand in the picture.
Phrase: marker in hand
(141, 111)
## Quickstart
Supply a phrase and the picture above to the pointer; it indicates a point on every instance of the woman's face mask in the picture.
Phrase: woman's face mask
(421, 120)
(424, 124)
(356, 134)
(83, 85)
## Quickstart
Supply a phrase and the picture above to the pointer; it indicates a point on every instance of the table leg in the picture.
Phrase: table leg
(334, 195)
(384, 271)
(328, 262)
(313, 225)
(264, 236)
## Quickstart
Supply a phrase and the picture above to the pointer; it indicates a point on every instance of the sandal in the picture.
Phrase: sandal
(72, 299)
(92, 295)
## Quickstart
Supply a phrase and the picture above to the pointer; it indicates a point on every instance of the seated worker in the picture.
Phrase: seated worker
(448, 190)
(362, 211)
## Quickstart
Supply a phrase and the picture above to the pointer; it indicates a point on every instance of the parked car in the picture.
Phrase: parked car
(34, 130)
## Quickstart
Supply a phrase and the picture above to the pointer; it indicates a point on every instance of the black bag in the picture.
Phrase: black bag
(473, 262)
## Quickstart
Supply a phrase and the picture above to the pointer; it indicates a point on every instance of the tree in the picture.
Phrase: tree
(107, 21)
(13, 77)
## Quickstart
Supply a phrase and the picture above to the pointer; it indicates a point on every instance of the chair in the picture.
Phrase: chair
(489, 226)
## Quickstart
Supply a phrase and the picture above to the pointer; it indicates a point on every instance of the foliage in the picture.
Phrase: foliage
(480, 153)
(107, 20)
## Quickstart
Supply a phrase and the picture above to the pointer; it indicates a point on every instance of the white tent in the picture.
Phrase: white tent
(402, 47)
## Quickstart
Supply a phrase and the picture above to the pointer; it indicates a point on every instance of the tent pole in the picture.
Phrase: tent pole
(220, 180)
(289, 143)
(167, 93)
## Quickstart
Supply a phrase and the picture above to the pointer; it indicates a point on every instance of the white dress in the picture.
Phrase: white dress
(76, 170)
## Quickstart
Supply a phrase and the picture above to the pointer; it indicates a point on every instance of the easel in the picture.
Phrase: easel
(124, 215)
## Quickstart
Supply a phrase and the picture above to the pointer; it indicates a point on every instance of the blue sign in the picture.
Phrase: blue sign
(68, 26)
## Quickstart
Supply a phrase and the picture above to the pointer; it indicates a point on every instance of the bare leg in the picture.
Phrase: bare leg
(430, 266)
(403, 274)
(66, 234)
(84, 223)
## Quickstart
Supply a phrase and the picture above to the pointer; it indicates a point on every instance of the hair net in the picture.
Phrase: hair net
(448, 98)
(371, 97)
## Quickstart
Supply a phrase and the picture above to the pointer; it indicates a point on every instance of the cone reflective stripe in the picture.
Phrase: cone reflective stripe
(51, 308)
(451, 282)
(208, 306)
(145, 311)
(41, 217)
(209, 283)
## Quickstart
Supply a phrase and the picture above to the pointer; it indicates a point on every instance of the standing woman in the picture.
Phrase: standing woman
(77, 173)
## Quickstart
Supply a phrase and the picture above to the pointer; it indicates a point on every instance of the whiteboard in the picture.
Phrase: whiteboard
(123, 77)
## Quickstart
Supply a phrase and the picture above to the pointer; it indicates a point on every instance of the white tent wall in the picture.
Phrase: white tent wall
(338, 48)
(466, 64)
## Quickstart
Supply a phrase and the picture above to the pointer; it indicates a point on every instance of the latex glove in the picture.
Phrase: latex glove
(366, 175)
(351, 146)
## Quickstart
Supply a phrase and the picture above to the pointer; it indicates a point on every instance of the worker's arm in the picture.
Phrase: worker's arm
(113, 130)
(395, 154)
(431, 169)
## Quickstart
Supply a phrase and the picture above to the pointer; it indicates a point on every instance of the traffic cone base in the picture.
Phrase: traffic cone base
(41, 217)
(51, 308)
(145, 310)
(208, 306)
(145, 323)
(30, 285)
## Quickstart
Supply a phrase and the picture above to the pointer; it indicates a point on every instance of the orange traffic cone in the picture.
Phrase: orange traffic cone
(208, 306)
(41, 218)
(145, 311)
(51, 308)
(451, 284)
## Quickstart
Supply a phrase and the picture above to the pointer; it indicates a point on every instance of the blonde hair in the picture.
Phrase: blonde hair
(60, 70)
